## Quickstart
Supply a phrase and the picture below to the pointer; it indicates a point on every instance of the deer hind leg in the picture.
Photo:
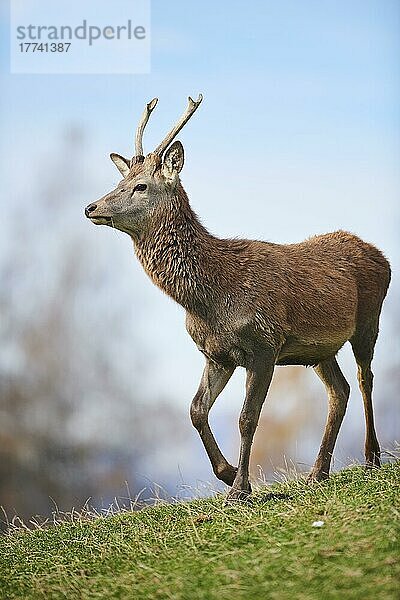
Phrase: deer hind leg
(363, 344)
(338, 393)
(213, 381)
(257, 384)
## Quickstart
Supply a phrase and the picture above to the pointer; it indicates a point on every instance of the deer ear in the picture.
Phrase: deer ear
(121, 163)
(173, 160)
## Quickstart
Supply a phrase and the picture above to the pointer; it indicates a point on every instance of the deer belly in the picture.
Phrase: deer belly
(308, 353)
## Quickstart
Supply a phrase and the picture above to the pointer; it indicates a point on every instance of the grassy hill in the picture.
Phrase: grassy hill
(203, 550)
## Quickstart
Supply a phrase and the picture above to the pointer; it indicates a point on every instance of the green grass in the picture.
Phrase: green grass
(203, 550)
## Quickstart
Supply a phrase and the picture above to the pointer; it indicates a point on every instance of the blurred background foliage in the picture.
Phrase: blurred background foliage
(96, 369)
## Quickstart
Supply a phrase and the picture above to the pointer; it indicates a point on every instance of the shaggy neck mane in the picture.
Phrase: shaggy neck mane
(181, 257)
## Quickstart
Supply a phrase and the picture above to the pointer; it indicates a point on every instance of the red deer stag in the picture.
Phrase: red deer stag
(250, 303)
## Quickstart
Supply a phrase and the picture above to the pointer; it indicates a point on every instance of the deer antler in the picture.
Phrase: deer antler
(191, 108)
(142, 124)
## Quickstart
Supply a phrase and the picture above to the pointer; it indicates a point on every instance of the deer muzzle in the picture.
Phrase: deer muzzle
(92, 214)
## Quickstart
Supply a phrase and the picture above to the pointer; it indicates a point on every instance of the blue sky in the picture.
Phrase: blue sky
(310, 89)
(312, 69)
(298, 133)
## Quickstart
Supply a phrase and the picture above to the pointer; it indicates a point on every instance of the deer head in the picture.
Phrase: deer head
(147, 180)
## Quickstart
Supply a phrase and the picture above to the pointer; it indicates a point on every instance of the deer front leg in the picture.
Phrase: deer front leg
(214, 379)
(257, 384)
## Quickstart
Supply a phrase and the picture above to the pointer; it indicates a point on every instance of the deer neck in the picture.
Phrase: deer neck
(179, 254)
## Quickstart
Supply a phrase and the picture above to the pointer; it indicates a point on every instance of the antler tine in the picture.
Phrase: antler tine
(142, 124)
(191, 108)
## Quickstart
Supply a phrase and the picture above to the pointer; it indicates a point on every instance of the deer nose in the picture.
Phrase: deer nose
(90, 209)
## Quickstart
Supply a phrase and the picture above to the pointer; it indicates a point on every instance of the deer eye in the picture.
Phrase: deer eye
(140, 187)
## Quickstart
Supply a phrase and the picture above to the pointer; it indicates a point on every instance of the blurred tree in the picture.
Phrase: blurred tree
(73, 422)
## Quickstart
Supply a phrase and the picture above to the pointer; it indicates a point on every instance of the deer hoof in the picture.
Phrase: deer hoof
(374, 463)
(316, 477)
(236, 496)
(372, 458)
(227, 474)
